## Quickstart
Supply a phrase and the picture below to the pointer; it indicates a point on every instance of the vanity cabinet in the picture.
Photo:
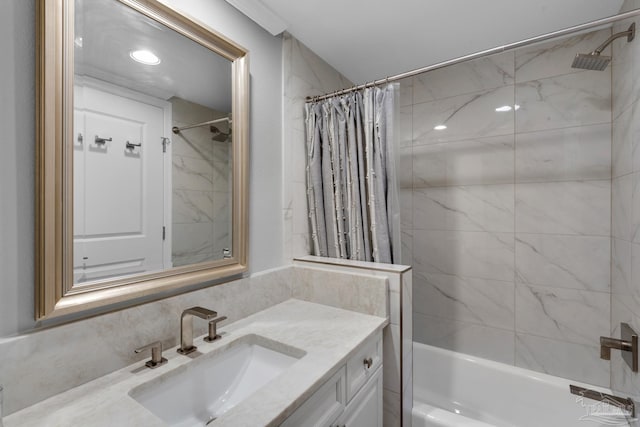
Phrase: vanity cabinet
(351, 398)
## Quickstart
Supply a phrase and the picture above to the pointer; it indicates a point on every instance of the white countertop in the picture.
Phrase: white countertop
(328, 336)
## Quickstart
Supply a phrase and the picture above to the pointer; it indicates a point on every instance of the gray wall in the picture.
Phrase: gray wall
(506, 214)
(17, 38)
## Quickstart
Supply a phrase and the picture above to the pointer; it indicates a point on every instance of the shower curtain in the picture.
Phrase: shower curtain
(352, 190)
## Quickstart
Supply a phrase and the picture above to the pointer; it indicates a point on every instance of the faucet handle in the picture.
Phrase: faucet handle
(201, 312)
(213, 329)
(156, 354)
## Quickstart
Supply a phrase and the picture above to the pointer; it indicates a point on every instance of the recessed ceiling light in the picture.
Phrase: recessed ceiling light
(503, 109)
(440, 127)
(144, 57)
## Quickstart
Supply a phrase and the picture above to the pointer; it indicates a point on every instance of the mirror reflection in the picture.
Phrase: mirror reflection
(152, 146)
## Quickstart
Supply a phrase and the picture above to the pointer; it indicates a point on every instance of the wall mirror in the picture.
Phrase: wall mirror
(142, 153)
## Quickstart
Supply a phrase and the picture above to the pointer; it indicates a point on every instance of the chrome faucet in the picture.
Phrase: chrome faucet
(186, 327)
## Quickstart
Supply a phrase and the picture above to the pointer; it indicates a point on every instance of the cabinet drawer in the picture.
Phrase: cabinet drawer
(362, 365)
(323, 407)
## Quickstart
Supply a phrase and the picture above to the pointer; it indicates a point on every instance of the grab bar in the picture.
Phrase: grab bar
(620, 402)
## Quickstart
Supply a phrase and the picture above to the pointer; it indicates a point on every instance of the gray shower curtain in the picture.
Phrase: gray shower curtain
(351, 176)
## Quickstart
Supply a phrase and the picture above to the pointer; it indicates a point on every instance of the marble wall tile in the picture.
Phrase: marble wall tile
(221, 177)
(192, 206)
(407, 247)
(405, 174)
(554, 58)
(192, 239)
(301, 245)
(406, 208)
(487, 342)
(633, 293)
(391, 404)
(465, 208)
(407, 319)
(407, 394)
(577, 153)
(621, 268)
(635, 208)
(622, 207)
(578, 262)
(222, 206)
(466, 116)
(316, 73)
(192, 174)
(356, 292)
(406, 91)
(564, 207)
(565, 101)
(196, 144)
(463, 253)
(470, 162)
(405, 125)
(391, 369)
(300, 212)
(560, 358)
(480, 301)
(466, 77)
(622, 152)
(624, 69)
(564, 314)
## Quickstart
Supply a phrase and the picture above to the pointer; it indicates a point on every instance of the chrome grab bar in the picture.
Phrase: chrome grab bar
(620, 402)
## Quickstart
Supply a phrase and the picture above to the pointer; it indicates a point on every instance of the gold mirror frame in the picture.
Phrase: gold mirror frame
(55, 293)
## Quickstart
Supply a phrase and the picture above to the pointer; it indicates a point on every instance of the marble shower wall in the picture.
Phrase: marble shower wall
(201, 211)
(625, 233)
(304, 74)
(506, 213)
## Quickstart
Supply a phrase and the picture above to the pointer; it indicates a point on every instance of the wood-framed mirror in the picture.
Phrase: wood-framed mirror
(141, 154)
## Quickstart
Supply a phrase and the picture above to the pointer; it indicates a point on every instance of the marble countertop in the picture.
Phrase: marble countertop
(328, 336)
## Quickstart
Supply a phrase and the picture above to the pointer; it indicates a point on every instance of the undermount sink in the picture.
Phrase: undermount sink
(199, 392)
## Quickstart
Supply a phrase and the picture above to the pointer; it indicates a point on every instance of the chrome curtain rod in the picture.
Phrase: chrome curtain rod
(176, 129)
(499, 49)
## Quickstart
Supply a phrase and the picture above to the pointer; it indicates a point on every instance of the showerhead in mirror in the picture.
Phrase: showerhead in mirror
(218, 135)
(596, 61)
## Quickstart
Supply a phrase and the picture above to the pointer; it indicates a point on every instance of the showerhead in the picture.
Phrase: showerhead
(591, 61)
(218, 135)
(596, 61)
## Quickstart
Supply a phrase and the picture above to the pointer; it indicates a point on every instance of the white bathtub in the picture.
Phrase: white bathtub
(453, 389)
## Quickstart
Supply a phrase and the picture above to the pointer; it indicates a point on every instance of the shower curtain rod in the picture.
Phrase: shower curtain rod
(176, 129)
(499, 49)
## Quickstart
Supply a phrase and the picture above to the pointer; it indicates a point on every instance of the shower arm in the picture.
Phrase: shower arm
(630, 34)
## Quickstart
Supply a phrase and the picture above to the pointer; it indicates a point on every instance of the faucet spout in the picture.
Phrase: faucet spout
(186, 327)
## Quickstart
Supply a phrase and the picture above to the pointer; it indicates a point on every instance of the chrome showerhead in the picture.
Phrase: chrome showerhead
(596, 61)
(591, 61)
(218, 135)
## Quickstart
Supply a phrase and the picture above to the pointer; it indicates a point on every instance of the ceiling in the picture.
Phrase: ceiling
(105, 34)
(367, 39)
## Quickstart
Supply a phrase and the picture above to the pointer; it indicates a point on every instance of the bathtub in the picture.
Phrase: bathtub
(457, 390)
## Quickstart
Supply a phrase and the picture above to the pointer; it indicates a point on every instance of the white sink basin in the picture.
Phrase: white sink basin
(204, 389)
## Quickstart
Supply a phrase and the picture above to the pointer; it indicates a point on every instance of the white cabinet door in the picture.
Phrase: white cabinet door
(118, 191)
(365, 410)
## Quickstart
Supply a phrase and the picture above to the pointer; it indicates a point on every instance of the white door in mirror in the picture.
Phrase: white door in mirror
(118, 186)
